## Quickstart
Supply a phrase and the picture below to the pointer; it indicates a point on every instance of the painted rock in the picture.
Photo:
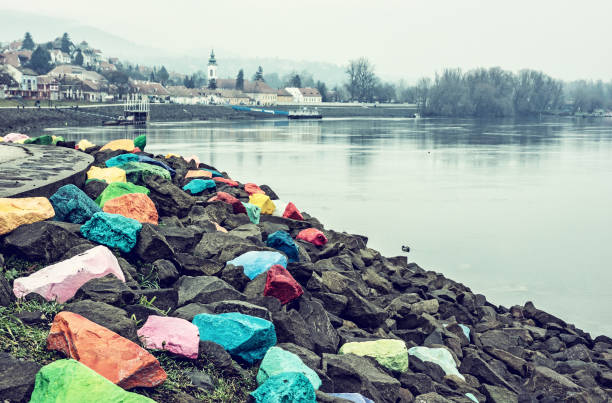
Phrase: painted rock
(352, 397)
(137, 206)
(15, 137)
(62, 280)
(440, 356)
(84, 145)
(281, 285)
(70, 381)
(40, 140)
(193, 158)
(137, 172)
(263, 202)
(312, 235)
(112, 230)
(228, 182)
(199, 185)
(286, 387)
(121, 159)
(152, 161)
(119, 189)
(244, 336)
(71, 204)
(229, 199)
(116, 358)
(292, 212)
(176, 335)
(27, 210)
(108, 175)
(256, 262)
(196, 173)
(253, 212)
(277, 361)
(389, 353)
(123, 144)
(219, 228)
(252, 188)
(140, 142)
(215, 174)
(282, 241)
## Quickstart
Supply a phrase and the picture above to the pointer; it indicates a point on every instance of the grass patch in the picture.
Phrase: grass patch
(147, 277)
(17, 267)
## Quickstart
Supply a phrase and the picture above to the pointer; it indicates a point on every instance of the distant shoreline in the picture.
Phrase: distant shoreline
(34, 121)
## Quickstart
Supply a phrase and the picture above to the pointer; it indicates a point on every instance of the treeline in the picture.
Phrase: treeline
(589, 96)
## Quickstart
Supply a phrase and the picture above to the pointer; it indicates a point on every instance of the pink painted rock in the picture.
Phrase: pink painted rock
(62, 280)
(14, 137)
(176, 335)
(281, 285)
(312, 235)
(194, 158)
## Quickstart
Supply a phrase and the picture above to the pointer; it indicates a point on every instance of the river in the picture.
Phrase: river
(516, 210)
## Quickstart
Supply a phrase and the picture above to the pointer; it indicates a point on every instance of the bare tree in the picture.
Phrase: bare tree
(361, 79)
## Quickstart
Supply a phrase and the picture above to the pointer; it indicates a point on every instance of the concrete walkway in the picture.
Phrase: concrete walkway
(33, 170)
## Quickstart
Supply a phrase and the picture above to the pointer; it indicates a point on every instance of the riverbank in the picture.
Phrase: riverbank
(351, 294)
(34, 120)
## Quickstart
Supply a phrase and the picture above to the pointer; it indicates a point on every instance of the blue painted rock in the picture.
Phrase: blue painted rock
(278, 361)
(244, 336)
(287, 387)
(149, 160)
(121, 159)
(256, 262)
(112, 230)
(282, 241)
(71, 204)
(199, 185)
(353, 397)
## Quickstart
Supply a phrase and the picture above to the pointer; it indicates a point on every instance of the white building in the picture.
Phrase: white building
(59, 57)
(212, 71)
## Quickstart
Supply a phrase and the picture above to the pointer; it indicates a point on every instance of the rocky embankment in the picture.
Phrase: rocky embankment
(164, 277)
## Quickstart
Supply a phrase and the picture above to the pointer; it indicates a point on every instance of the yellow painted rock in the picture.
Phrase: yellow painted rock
(109, 175)
(27, 210)
(170, 155)
(263, 202)
(123, 144)
(84, 144)
(389, 353)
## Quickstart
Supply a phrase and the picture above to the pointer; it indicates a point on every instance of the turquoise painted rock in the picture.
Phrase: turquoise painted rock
(69, 381)
(389, 353)
(256, 262)
(244, 336)
(287, 387)
(121, 160)
(117, 189)
(440, 356)
(466, 331)
(253, 211)
(277, 361)
(352, 397)
(141, 142)
(282, 241)
(136, 172)
(215, 174)
(199, 185)
(112, 230)
(71, 204)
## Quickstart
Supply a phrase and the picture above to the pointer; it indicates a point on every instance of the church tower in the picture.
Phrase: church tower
(212, 71)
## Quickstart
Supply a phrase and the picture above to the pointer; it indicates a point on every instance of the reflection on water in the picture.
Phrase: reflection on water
(517, 210)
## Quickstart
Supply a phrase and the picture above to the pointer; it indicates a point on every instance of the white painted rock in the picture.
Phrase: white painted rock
(176, 335)
(62, 280)
(440, 356)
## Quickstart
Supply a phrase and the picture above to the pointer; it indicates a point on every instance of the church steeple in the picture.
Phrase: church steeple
(212, 61)
(212, 71)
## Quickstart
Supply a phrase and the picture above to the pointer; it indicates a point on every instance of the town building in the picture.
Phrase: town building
(283, 96)
(48, 88)
(59, 57)
(76, 72)
(311, 95)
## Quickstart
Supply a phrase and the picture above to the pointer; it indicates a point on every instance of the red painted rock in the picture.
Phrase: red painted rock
(133, 205)
(292, 212)
(176, 335)
(229, 199)
(116, 358)
(228, 182)
(312, 235)
(281, 285)
(252, 188)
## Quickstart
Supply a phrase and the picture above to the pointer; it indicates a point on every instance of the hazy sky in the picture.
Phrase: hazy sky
(567, 39)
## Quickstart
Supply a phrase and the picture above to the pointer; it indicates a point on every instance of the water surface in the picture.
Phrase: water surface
(516, 210)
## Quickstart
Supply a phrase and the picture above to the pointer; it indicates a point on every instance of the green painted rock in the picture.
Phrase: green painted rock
(42, 140)
(245, 336)
(137, 172)
(117, 189)
(390, 353)
(253, 211)
(278, 361)
(68, 381)
(291, 387)
(57, 139)
(71, 204)
(140, 142)
(112, 230)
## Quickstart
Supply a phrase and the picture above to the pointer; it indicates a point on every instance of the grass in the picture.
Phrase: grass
(149, 279)
(16, 267)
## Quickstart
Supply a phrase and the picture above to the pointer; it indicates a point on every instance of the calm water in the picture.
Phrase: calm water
(517, 211)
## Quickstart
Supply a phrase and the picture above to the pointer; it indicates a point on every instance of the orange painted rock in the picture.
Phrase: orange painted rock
(228, 182)
(123, 144)
(196, 173)
(252, 189)
(116, 358)
(133, 205)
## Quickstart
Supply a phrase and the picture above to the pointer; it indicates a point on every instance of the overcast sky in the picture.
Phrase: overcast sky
(567, 39)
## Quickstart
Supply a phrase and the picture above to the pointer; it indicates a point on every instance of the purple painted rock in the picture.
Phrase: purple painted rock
(62, 280)
(172, 334)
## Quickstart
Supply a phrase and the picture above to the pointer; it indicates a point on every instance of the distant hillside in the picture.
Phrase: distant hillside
(44, 29)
